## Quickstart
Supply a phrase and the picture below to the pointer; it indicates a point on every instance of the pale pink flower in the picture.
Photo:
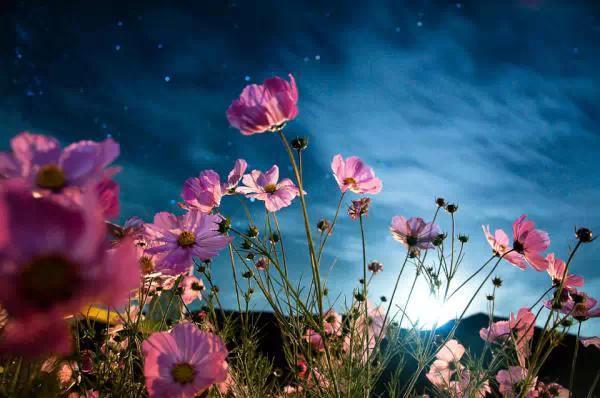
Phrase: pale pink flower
(265, 107)
(192, 289)
(332, 323)
(593, 341)
(556, 270)
(315, 340)
(463, 385)
(501, 247)
(205, 191)
(370, 329)
(414, 233)
(47, 168)
(352, 174)
(265, 187)
(447, 363)
(183, 362)
(178, 239)
(496, 331)
(510, 383)
(522, 329)
(55, 259)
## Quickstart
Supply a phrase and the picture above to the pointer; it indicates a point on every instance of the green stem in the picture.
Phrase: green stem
(574, 362)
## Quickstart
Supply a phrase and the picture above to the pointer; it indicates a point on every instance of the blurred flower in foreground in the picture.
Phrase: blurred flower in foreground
(354, 175)
(183, 362)
(55, 261)
(265, 187)
(179, 239)
(48, 169)
(266, 107)
(579, 305)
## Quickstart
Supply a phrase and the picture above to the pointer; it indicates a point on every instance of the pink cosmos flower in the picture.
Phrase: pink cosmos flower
(179, 239)
(414, 233)
(205, 191)
(315, 340)
(359, 208)
(265, 107)
(594, 341)
(510, 383)
(352, 174)
(528, 244)
(183, 362)
(47, 168)
(192, 289)
(332, 323)
(264, 186)
(375, 266)
(55, 260)
(446, 364)
(370, 329)
(580, 306)
(556, 270)
(552, 390)
(520, 328)
(500, 247)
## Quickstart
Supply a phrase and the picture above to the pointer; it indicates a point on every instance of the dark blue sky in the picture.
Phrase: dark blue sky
(493, 105)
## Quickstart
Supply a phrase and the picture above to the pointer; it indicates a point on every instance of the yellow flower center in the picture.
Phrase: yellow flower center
(183, 373)
(270, 188)
(349, 181)
(186, 239)
(48, 279)
(50, 176)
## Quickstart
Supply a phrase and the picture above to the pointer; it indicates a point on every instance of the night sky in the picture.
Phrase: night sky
(492, 105)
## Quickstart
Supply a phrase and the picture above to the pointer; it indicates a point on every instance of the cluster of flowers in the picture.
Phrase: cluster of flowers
(60, 254)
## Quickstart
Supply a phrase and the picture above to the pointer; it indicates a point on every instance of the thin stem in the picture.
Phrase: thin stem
(574, 362)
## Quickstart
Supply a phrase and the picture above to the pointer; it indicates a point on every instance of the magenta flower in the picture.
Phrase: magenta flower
(414, 233)
(352, 174)
(55, 260)
(47, 168)
(265, 187)
(192, 289)
(511, 383)
(447, 363)
(183, 362)
(265, 107)
(205, 191)
(528, 243)
(593, 341)
(580, 306)
(496, 331)
(556, 270)
(179, 239)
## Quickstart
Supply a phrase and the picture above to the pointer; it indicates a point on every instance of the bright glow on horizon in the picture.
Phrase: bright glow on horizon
(425, 310)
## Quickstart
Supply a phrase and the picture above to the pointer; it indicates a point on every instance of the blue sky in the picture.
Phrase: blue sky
(492, 105)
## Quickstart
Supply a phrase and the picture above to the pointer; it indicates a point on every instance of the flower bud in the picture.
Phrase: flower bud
(323, 225)
(299, 143)
(247, 274)
(274, 237)
(497, 281)
(584, 235)
(463, 238)
(252, 231)
(225, 225)
(440, 202)
(451, 208)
